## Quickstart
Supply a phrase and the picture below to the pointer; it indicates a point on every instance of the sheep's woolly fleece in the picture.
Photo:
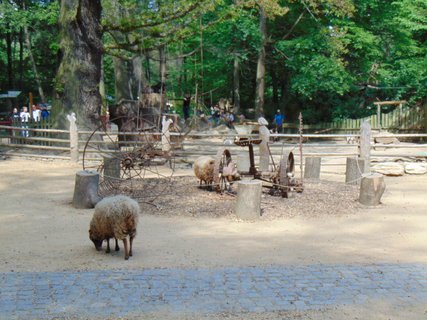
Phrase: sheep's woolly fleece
(113, 215)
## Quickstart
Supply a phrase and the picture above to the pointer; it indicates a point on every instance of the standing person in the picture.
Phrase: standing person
(278, 121)
(15, 115)
(25, 117)
(45, 113)
(15, 119)
(186, 106)
(36, 113)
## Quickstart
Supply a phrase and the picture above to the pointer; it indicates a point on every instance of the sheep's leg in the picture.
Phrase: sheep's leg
(117, 245)
(130, 246)
(125, 244)
(108, 246)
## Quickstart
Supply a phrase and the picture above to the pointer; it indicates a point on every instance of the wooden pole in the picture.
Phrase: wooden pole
(264, 154)
(379, 115)
(300, 130)
(74, 138)
(365, 145)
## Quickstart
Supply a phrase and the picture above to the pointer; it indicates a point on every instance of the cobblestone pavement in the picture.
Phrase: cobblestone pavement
(207, 291)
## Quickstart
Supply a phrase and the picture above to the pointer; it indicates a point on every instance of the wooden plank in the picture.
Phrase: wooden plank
(30, 146)
(34, 130)
(17, 154)
(387, 103)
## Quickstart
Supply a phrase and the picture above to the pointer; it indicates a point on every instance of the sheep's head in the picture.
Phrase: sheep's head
(96, 241)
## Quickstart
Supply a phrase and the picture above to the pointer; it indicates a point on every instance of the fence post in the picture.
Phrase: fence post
(74, 138)
(264, 154)
(365, 145)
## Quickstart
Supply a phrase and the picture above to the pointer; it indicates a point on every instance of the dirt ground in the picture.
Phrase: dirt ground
(41, 231)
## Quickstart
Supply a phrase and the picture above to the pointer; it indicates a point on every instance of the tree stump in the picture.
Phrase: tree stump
(372, 187)
(111, 167)
(243, 162)
(354, 169)
(248, 203)
(312, 168)
(86, 190)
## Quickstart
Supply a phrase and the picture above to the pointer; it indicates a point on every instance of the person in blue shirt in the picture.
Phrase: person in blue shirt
(45, 113)
(278, 121)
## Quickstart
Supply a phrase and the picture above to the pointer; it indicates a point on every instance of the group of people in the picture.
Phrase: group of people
(24, 117)
(222, 114)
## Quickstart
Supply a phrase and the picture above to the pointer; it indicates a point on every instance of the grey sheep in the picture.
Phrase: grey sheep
(114, 217)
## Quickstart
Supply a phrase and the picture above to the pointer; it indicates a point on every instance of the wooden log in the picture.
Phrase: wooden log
(248, 203)
(86, 190)
(354, 169)
(372, 187)
(312, 167)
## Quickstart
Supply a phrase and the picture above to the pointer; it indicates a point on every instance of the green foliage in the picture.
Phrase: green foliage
(329, 59)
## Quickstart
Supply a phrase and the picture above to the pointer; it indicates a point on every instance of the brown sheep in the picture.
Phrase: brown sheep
(204, 169)
(114, 217)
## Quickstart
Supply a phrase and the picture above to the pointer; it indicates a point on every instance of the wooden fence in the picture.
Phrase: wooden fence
(409, 119)
(333, 148)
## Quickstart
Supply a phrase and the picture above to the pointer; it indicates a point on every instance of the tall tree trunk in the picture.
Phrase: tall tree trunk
(33, 64)
(77, 80)
(179, 67)
(10, 75)
(275, 84)
(21, 58)
(163, 68)
(122, 80)
(236, 84)
(148, 69)
(260, 75)
(138, 75)
(163, 65)
(102, 88)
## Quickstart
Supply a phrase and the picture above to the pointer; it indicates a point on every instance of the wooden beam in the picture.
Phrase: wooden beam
(385, 103)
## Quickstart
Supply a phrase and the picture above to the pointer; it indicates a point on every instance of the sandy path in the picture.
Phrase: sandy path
(40, 231)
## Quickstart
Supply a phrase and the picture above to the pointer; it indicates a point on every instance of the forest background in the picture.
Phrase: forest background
(328, 59)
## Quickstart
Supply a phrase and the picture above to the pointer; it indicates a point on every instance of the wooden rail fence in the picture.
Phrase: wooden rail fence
(400, 119)
(55, 144)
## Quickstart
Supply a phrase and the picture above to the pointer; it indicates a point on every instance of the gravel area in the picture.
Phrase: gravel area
(319, 198)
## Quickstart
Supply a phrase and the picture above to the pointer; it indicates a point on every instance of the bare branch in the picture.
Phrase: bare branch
(293, 27)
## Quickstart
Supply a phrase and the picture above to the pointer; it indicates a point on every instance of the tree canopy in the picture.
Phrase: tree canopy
(327, 59)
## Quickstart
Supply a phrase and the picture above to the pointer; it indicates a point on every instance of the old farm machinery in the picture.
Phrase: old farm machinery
(132, 160)
(281, 180)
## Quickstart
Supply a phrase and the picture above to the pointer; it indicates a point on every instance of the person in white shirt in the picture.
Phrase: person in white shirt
(36, 113)
(25, 117)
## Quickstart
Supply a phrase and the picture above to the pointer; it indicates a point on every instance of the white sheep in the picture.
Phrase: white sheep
(114, 217)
